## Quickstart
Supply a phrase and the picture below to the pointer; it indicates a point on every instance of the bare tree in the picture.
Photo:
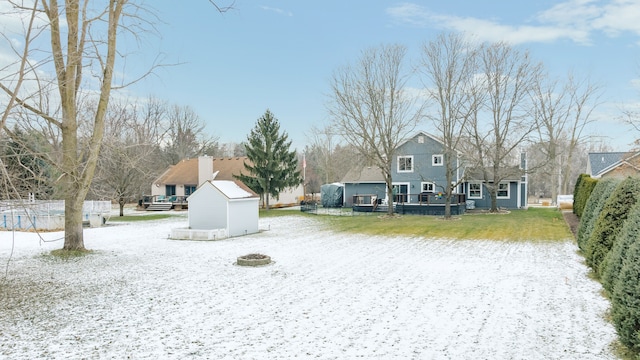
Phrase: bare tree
(552, 114)
(82, 44)
(185, 134)
(370, 108)
(82, 40)
(501, 126)
(449, 64)
(584, 98)
(321, 152)
(562, 112)
(128, 162)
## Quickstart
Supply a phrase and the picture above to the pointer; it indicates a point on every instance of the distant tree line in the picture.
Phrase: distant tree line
(142, 138)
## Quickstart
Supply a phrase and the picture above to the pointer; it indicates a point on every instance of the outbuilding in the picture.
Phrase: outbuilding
(222, 204)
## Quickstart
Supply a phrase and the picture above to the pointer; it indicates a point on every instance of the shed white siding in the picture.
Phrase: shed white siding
(223, 205)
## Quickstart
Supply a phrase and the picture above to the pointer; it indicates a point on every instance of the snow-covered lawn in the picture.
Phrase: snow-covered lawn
(327, 296)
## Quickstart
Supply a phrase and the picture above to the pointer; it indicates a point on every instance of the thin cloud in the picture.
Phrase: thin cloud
(575, 20)
(277, 10)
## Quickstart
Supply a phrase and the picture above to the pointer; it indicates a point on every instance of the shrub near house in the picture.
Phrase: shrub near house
(625, 296)
(610, 239)
(592, 209)
(610, 221)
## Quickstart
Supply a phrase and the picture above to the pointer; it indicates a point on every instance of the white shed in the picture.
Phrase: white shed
(222, 204)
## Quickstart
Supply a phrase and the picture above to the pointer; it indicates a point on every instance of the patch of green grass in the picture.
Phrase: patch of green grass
(131, 218)
(69, 254)
(624, 352)
(532, 224)
(281, 212)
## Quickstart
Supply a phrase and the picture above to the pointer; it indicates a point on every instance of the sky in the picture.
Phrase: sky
(280, 54)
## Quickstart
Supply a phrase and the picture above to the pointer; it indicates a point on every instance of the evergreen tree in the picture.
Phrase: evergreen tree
(625, 300)
(617, 257)
(610, 221)
(273, 167)
(592, 209)
(24, 158)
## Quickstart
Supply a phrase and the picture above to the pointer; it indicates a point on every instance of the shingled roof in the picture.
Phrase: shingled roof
(367, 174)
(186, 171)
(601, 161)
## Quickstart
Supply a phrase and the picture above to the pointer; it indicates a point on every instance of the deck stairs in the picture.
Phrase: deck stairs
(159, 206)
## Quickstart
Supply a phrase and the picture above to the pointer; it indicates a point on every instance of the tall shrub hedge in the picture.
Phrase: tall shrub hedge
(610, 221)
(616, 258)
(599, 195)
(581, 192)
(625, 300)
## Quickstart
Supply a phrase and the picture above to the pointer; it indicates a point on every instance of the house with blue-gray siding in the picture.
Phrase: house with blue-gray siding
(418, 177)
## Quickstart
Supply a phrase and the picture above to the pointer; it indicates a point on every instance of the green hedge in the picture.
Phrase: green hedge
(625, 300)
(616, 258)
(581, 192)
(598, 197)
(610, 221)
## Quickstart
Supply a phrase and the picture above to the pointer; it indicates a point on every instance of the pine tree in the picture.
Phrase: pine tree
(273, 167)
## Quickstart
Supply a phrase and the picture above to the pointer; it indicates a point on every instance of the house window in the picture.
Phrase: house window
(503, 190)
(189, 189)
(428, 187)
(436, 160)
(420, 139)
(170, 190)
(405, 164)
(475, 190)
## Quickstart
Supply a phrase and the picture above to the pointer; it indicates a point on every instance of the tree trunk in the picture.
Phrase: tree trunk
(73, 235)
(121, 202)
(390, 192)
(494, 200)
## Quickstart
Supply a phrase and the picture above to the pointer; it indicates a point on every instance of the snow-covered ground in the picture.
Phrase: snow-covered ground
(326, 296)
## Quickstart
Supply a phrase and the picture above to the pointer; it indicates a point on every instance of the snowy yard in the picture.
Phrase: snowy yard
(326, 296)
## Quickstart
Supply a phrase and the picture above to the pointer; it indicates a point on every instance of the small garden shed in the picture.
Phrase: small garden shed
(222, 204)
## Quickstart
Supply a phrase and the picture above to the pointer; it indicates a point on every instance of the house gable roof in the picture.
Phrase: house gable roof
(603, 162)
(185, 172)
(231, 190)
(513, 173)
(419, 133)
(366, 174)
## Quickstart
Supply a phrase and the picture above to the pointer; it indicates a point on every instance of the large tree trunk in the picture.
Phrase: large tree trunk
(494, 200)
(73, 235)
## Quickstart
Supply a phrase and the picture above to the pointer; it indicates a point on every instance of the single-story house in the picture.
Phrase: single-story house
(613, 164)
(512, 189)
(179, 181)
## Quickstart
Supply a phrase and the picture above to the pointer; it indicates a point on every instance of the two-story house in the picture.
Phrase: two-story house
(419, 181)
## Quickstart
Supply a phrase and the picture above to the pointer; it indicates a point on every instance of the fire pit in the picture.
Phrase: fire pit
(253, 260)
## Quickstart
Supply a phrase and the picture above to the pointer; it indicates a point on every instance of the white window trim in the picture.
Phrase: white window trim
(433, 187)
(508, 191)
(398, 164)
(469, 191)
(433, 160)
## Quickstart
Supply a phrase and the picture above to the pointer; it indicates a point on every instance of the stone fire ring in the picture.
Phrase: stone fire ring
(253, 260)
